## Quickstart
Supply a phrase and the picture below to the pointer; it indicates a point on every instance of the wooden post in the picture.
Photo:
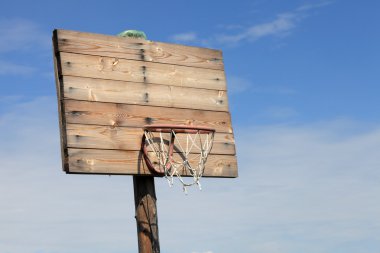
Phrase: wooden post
(146, 214)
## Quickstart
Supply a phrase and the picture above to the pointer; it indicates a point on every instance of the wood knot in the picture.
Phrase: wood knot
(214, 60)
(76, 113)
(148, 120)
(146, 98)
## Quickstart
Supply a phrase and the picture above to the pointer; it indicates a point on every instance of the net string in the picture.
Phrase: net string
(173, 168)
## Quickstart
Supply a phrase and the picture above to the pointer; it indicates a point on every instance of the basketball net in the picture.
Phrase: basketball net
(175, 152)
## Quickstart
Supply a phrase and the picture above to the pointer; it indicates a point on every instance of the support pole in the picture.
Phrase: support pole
(146, 214)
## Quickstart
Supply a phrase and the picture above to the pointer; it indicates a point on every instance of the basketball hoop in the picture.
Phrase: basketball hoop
(177, 150)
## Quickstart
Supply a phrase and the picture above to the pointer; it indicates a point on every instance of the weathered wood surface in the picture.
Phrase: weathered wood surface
(111, 114)
(131, 163)
(138, 71)
(123, 138)
(143, 94)
(137, 49)
(109, 87)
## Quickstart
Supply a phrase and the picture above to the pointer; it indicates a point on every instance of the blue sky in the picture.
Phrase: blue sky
(303, 80)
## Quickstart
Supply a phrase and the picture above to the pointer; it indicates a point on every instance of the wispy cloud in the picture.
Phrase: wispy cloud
(282, 25)
(238, 84)
(309, 188)
(311, 6)
(280, 112)
(8, 68)
(295, 186)
(184, 37)
(31, 171)
(20, 34)
(10, 99)
(274, 89)
(23, 40)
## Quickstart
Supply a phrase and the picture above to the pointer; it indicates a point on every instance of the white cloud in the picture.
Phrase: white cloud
(311, 6)
(45, 210)
(318, 185)
(238, 84)
(281, 25)
(310, 188)
(10, 99)
(280, 112)
(184, 37)
(20, 34)
(8, 68)
(274, 89)
(301, 189)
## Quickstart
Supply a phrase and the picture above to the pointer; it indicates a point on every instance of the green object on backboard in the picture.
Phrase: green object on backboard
(133, 34)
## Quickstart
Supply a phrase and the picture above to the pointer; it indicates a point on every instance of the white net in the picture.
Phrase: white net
(177, 153)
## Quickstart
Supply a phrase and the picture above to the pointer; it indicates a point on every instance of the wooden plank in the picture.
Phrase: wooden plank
(143, 94)
(109, 114)
(95, 161)
(123, 138)
(138, 71)
(137, 49)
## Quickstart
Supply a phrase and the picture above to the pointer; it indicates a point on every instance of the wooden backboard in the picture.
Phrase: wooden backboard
(109, 87)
